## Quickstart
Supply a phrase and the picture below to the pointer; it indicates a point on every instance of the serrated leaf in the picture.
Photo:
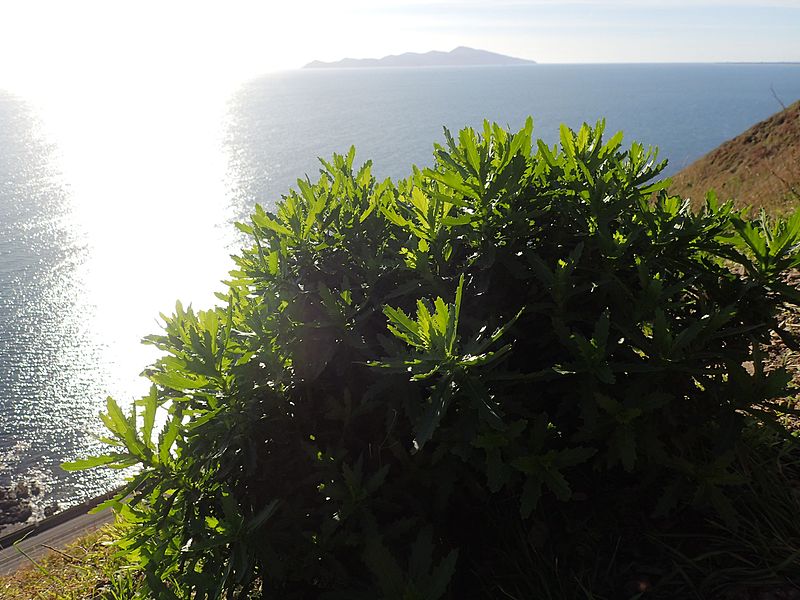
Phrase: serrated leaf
(557, 483)
(384, 568)
(177, 381)
(265, 222)
(459, 220)
(168, 439)
(255, 523)
(149, 416)
(97, 461)
(433, 414)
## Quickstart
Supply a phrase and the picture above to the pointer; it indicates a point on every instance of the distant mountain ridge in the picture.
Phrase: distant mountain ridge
(458, 57)
(760, 167)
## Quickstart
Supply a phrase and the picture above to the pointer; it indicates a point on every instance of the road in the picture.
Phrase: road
(58, 536)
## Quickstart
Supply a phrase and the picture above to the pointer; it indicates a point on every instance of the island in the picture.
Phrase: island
(458, 57)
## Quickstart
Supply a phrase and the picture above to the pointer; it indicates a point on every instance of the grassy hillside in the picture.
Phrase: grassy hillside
(760, 167)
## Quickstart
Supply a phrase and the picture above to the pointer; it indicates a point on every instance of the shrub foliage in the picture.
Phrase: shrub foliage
(521, 342)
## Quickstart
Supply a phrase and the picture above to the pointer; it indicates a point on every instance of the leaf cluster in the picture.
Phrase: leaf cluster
(521, 330)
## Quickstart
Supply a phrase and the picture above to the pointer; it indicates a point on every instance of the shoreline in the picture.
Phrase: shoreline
(23, 531)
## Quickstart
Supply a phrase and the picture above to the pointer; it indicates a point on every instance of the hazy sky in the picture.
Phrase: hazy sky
(174, 41)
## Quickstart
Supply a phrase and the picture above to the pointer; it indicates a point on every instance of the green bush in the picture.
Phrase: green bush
(432, 388)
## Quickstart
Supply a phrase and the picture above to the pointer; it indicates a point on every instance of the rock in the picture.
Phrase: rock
(14, 506)
(34, 488)
(16, 513)
(49, 511)
(21, 490)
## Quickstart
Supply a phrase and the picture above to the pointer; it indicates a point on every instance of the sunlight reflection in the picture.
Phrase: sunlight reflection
(145, 172)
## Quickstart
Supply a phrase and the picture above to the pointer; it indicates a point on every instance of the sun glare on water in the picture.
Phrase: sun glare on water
(131, 136)
(144, 171)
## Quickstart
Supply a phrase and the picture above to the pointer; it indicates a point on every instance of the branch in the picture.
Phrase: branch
(775, 95)
(788, 185)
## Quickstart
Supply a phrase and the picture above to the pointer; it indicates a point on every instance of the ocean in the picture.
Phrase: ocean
(114, 206)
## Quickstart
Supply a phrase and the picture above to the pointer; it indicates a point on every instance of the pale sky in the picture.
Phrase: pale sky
(173, 43)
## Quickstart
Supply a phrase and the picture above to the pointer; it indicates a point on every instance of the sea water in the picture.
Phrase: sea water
(112, 207)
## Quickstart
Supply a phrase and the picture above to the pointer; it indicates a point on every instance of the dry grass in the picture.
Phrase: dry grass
(759, 168)
(85, 569)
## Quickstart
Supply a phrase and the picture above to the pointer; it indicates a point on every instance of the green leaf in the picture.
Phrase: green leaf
(97, 461)
(567, 141)
(465, 219)
(612, 145)
(273, 262)
(557, 483)
(402, 326)
(255, 523)
(433, 414)
(265, 222)
(384, 568)
(548, 156)
(124, 429)
(168, 439)
(149, 416)
(178, 381)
